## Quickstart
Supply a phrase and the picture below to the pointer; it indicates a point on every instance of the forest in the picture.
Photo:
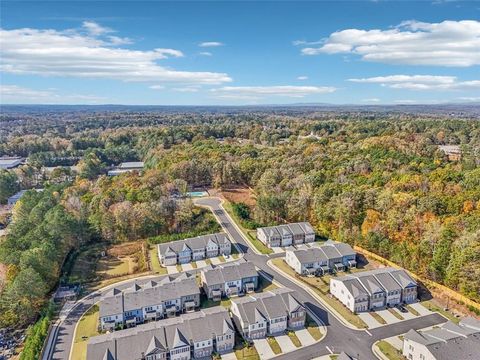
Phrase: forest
(375, 179)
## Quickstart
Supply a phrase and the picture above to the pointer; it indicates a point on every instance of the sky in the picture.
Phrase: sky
(239, 53)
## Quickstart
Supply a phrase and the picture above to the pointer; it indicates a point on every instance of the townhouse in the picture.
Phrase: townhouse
(268, 313)
(450, 341)
(193, 249)
(191, 336)
(286, 235)
(149, 301)
(370, 290)
(316, 259)
(229, 280)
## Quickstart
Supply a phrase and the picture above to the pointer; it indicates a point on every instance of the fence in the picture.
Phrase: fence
(429, 283)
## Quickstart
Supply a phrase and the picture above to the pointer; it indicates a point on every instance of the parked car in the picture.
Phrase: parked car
(401, 308)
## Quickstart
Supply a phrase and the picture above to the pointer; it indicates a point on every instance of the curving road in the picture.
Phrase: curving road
(339, 337)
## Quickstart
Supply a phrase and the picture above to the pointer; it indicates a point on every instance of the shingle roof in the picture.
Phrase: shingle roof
(198, 242)
(231, 272)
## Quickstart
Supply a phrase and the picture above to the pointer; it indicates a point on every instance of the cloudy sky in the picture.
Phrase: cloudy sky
(201, 53)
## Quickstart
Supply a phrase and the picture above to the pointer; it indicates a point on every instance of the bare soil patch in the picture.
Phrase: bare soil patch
(239, 195)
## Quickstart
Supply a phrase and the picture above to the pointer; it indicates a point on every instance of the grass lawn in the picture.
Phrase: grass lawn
(154, 262)
(313, 328)
(389, 351)
(86, 328)
(412, 310)
(396, 314)
(206, 303)
(179, 267)
(274, 345)
(434, 307)
(378, 318)
(244, 351)
(294, 338)
(221, 258)
(265, 285)
(318, 285)
(112, 267)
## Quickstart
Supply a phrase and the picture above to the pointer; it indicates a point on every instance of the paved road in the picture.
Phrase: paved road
(339, 337)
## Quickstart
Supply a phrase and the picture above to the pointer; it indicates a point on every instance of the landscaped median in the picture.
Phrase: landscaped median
(86, 328)
(385, 350)
(320, 289)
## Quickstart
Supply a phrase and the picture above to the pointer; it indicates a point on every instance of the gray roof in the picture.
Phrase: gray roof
(307, 228)
(270, 231)
(323, 252)
(198, 242)
(284, 230)
(371, 284)
(387, 281)
(156, 337)
(10, 162)
(131, 165)
(450, 341)
(231, 272)
(301, 228)
(310, 255)
(296, 229)
(152, 293)
(402, 277)
(354, 286)
(263, 306)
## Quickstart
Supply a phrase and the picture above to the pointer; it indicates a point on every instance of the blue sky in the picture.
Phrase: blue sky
(202, 53)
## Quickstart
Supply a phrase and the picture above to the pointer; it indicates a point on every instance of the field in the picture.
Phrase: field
(99, 264)
(239, 195)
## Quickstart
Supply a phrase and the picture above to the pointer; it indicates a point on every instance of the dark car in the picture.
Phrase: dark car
(401, 308)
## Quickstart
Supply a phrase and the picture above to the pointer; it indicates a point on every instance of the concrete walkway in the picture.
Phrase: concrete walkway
(201, 264)
(215, 261)
(422, 310)
(305, 337)
(285, 343)
(388, 316)
(371, 322)
(172, 269)
(187, 267)
(278, 250)
(263, 348)
(229, 356)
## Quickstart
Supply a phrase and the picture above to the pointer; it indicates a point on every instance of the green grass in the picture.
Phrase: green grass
(412, 310)
(112, 267)
(243, 351)
(194, 264)
(207, 303)
(154, 262)
(294, 338)
(86, 328)
(433, 307)
(265, 285)
(389, 351)
(179, 267)
(274, 345)
(221, 258)
(396, 314)
(315, 284)
(378, 318)
(313, 328)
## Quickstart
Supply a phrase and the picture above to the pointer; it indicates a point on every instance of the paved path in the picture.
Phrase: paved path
(172, 269)
(285, 343)
(339, 337)
(305, 338)
(187, 267)
(263, 348)
(201, 264)
(388, 316)
(368, 319)
(229, 356)
(422, 310)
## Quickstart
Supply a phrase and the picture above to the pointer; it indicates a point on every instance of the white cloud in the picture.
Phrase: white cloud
(470, 98)
(210, 44)
(95, 29)
(302, 78)
(157, 87)
(262, 91)
(371, 100)
(420, 82)
(70, 53)
(449, 43)
(205, 53)
(22, 95)
(187, 89)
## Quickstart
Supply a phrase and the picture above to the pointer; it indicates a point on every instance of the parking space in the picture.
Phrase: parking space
(388, 316)
(201, 264)
(278, 250)
(422, 310)
(172, 269)
(406, 315)
(215, 261)
(187, 267)
(285, 343)
(263, 348)
(371, 322)
(305, 338)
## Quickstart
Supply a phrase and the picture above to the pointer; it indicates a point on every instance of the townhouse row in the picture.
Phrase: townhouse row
(193, 249)
(286, 235)
(229, 280)
(192, 336)
(319, 259)
(447, 342)
(370, 290)
(270, 313)
(152, 300)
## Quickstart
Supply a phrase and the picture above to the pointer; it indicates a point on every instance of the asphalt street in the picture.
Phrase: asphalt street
(339, 338)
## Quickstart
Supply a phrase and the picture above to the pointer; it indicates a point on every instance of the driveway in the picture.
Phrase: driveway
(407, 315)
(388, 316)
(285, 343)
(305, 337)
(172, 269)
(278, 250)
(371, 322)
(264, 350)
(215, 261)
(422, 310)
(187, 267)
(229, 356)
(201, 264)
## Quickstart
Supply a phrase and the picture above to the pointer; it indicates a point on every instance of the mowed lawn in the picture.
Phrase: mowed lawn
(86, 328)
(154, 261)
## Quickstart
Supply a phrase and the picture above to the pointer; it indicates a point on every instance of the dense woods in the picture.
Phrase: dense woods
(377, 180)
